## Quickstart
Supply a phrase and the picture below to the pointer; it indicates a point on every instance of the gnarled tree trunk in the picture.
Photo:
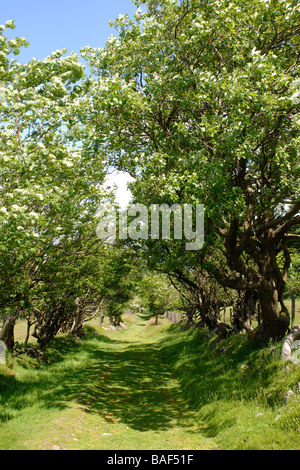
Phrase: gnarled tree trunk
(243, 310)
(275, 318)
(77, 321)
(7, 331)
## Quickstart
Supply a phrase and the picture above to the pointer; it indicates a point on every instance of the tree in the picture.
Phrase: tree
(200, 102)
(120, 274)
(158, 294)
(49, 182)
(202, 298)
(68, 290)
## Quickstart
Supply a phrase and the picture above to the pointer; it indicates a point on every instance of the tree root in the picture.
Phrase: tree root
(32, 352)
(223, 330)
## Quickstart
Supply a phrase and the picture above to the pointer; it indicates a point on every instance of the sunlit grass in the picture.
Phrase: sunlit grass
(237, 388)
(150, 387)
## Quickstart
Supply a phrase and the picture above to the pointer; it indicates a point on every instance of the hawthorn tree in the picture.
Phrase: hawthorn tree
(121, 271)
(68, 289)
(49, 182)
(158, 294)
(199, 101)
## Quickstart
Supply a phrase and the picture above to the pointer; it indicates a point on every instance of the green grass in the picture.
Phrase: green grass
(237, 388)
(110, 392)
(150, 387)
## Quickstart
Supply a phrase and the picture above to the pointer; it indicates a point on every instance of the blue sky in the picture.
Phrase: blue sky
(49, 25)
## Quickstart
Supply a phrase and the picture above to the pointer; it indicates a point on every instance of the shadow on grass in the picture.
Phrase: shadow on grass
(120, 380)
(132, 382)
(60, 347)
(210, 369)
(128, 385)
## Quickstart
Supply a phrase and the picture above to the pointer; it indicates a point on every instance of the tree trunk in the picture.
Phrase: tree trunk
(7, 332)
(77, 322)
(275, 323)
(243, 310)
(45, 331)
(75, 327)
(258, 314)
(29, 325)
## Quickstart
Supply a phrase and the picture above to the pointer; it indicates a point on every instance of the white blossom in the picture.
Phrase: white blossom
(68, 163)
(10, 24)
(296, 97)
(3, 210)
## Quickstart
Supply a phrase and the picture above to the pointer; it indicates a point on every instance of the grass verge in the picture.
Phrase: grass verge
(237, 388)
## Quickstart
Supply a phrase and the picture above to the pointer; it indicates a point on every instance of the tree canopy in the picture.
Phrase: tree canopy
(199, 102)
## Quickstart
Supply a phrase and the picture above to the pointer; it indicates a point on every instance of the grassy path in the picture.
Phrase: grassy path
(116, 392)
